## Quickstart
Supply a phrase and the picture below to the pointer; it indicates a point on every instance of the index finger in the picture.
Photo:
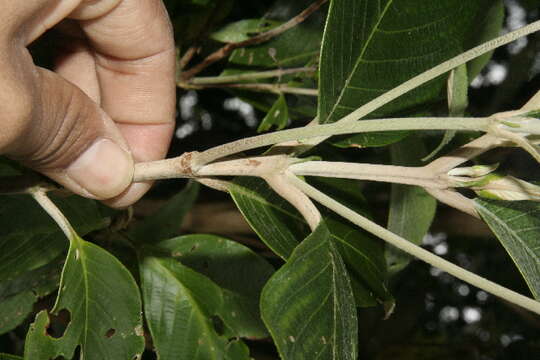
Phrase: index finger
(135, 66)
(135, 61)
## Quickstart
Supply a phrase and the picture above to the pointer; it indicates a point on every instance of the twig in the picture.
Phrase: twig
(454, 199)
(40, 195)
(178, 167)
(214, 80)
(419, 176)
(186, 58)
(263, 37)
(415, 250)
(341, 128)
(466, 152)
(216, 184)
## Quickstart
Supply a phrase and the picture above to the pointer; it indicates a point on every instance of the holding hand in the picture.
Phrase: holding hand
(109, 102)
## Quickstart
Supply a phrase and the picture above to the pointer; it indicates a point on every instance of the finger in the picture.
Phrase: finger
(76, 64)
(135, 65)
(135, 62)
(55, 128)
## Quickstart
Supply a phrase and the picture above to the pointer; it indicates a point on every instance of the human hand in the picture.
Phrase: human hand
(109, 102)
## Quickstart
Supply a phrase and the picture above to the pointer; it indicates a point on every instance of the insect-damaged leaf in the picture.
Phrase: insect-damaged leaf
(104, 307)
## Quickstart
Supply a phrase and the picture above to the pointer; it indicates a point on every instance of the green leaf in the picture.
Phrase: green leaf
(182, 309)
(412, 209)
(277, 223)
(29, 238)
(458, 100)
(295, 47)
(277, 116)
(166, 222)
(363, 254)
(308, 304)
(17, 296)
(281, 227)
(489, 25)
(15, 309)
(104, 306)
(517, 226)
(387, 43)
(238, 271)
(458, 94)
(242, 30)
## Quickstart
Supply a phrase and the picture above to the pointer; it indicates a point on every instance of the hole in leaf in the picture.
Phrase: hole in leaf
(217, 323)
(58, 324)
(109, 334)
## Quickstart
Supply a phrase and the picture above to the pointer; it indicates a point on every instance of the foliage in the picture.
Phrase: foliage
(313, 281)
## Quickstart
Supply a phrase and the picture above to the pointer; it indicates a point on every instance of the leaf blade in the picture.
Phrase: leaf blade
(290, 306)
(517, 226)
(104, 330)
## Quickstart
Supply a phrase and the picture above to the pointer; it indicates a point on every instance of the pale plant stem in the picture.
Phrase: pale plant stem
(454, 199)
(178, 167)
(419, 176)
(533, 103)
(40, 195)
(340, 128)
(260, 166)
(212, 80)
(304, 205)
(466, 152)
(415, 250)
(216, 184)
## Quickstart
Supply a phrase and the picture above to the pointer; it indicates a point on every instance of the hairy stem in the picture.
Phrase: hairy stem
(454, 199)
(341, 128)
(466, 152)
(40, 195)
(415, 250)
(296, 198)
(419, 176)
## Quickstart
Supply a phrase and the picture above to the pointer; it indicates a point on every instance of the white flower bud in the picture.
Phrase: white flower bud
(507, 188)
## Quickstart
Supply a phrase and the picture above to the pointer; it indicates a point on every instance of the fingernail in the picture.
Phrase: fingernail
(104, 169)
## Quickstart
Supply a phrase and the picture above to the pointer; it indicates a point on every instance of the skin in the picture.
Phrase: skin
(108, 103)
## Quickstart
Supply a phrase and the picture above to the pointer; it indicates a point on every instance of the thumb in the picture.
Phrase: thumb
(63, 134)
